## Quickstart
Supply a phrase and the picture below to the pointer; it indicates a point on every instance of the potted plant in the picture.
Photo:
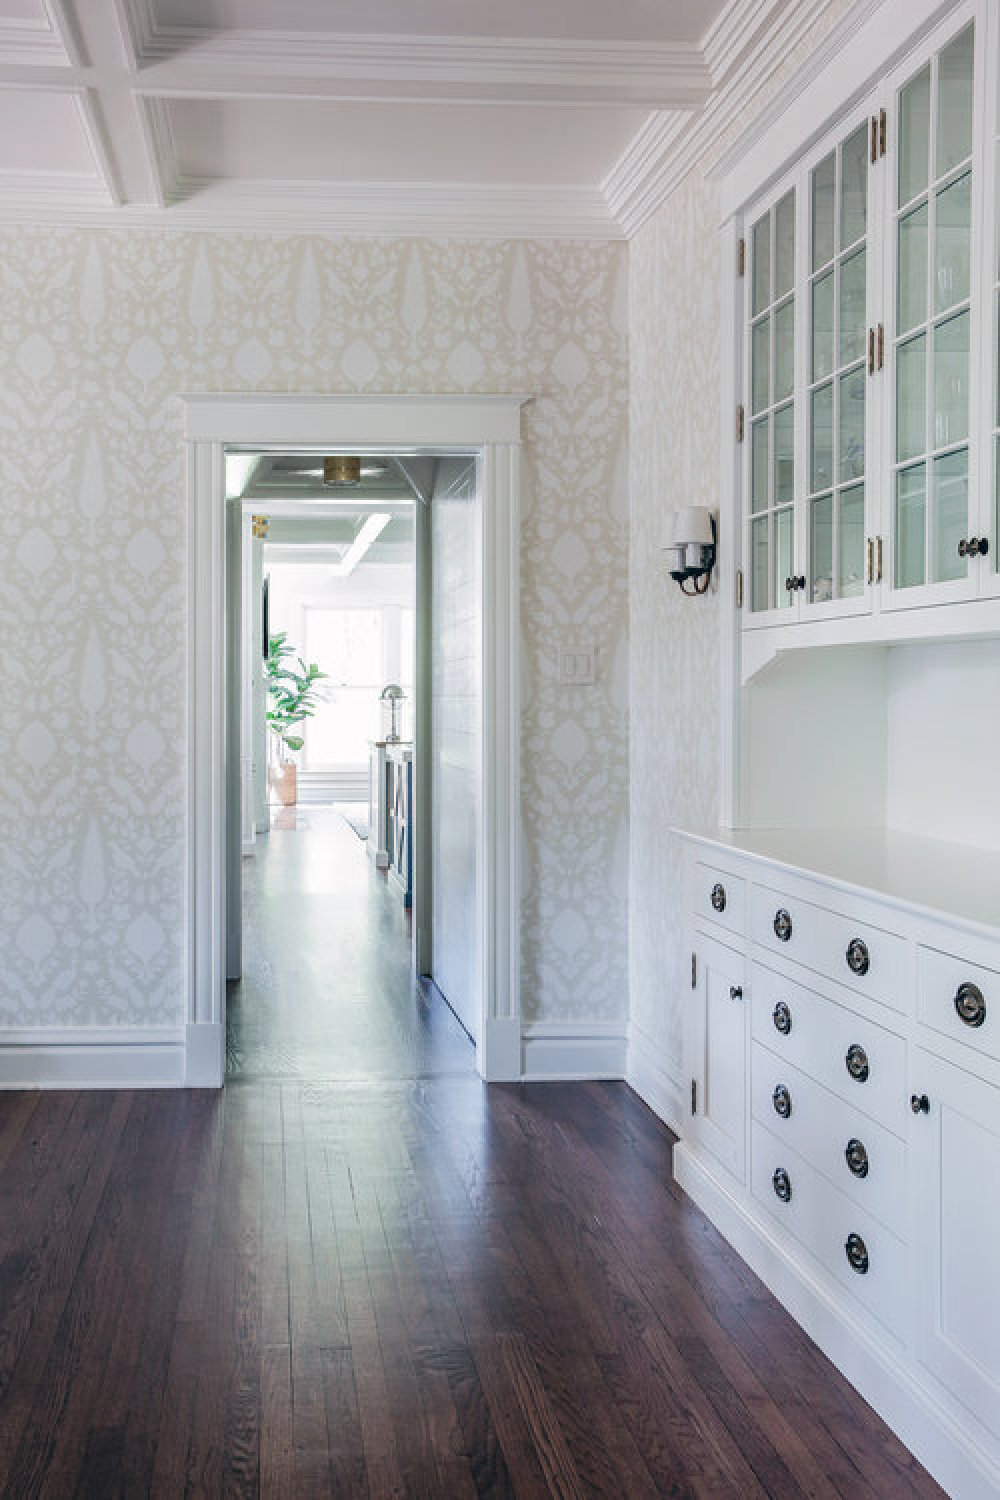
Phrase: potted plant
(292, 695)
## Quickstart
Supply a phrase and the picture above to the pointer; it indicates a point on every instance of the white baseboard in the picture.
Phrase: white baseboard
(498, 1049)
(934, 1434)
(91, 1057)
(580, 1050)
(645, 1074)
(205, 1056)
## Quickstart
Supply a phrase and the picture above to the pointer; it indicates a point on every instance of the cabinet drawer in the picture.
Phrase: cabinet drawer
(827, 1222)
(857, 1059)
(960, 999)
(719, 897)
(857, 1155)
(865, 958)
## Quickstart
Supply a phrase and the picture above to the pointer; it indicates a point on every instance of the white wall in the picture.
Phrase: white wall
(455, 670)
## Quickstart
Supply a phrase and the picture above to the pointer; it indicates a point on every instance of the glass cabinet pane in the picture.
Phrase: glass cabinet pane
(911, 299)
(852, 542)
(784, 456)
(911, 509)
(851, 397)
(760, 475)
(951, 516)
(824, 187)
(821, 439)
(761, 361)
(784, 351)
(762, 264)
(951, 381)
(854, 187)
(759, 555)
(852, 308)
(784, 559)
(911, 398)
(952, 237)
(954, 111)
(914, 135)
(784, 246)
(821, 549)
(822, 326)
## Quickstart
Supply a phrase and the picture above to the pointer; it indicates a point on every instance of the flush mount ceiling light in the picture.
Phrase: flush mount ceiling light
(342, 468)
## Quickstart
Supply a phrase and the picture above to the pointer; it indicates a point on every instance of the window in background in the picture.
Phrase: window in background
(347, 645)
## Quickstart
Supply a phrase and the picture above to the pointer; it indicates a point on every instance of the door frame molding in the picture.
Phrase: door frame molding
(489, 427)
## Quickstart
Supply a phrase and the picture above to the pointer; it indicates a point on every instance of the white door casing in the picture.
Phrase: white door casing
(488, 426)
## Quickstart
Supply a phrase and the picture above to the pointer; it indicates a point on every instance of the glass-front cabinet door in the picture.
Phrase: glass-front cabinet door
(935, 321)
(838, 371)
(770, 415)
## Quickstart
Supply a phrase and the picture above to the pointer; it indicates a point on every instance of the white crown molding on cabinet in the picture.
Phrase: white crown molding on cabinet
(669, 145)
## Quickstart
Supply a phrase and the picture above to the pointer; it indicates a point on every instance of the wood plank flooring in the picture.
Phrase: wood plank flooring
(392, 1287)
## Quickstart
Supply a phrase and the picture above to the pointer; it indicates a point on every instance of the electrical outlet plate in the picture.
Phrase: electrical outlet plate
(577, 665)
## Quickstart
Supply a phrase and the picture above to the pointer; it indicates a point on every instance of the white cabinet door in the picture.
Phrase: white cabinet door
(956, 1157)
(718, 1054)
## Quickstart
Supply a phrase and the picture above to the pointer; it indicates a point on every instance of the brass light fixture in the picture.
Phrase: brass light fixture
(342, 468)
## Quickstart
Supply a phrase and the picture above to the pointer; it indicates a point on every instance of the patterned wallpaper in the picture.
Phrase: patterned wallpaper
(99, 331)
(674, 370)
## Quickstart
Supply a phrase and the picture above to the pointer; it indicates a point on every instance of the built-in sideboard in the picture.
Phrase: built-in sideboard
(842, 1044)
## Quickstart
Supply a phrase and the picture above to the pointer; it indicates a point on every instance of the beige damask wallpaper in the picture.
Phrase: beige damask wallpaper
(99, 331)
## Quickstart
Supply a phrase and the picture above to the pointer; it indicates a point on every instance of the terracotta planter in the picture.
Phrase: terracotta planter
(284, 780)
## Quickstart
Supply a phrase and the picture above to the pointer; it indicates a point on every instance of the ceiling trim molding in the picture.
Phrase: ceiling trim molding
(29, 43)
(88, 104)
(160, 147)
(735, 27)
(667, 148)
(651, 74)
(137, 25)
(66, 31)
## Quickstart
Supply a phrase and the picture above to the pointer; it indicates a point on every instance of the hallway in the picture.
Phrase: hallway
(327, 989)
(356, 1272)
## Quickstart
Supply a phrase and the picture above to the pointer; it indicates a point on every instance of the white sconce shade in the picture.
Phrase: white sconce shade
(690, 525)
(690, 547)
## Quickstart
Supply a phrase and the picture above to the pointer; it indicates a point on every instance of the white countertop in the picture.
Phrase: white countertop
(928, 875)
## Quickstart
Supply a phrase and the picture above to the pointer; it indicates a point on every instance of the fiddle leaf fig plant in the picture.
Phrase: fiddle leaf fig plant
(292, 693)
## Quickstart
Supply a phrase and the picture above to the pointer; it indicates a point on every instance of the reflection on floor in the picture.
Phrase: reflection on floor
(327, 991)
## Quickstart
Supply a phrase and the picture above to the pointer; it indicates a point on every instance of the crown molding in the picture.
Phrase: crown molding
(670, 145)
(736, 25)
(359, 65)
(429, 210)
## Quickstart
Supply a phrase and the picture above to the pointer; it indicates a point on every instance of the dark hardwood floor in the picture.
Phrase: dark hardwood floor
(401, 1285)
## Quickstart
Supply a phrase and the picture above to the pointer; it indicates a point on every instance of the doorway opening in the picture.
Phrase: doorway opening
(486, 427)
(352, 636)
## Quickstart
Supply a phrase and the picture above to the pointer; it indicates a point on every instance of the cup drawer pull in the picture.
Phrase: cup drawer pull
(856, 1157)
(970, 1004)
(782, 925)
(782, 1018)
(718, 897)
(782, 1101)
(856, 1062)
(782, 1184)
(857, 1254)
(858, 959)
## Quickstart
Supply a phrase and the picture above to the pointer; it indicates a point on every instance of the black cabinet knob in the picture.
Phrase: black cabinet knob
(920, 1104)
(736, 992)
(856, 1157)
(719, 897)
(782, 1184)
(970, 1004)
(782, 925)
(858, 959)
(856, 1062)
(782, 1018)
(782, 1101)
(976, 546)
(857, 1254)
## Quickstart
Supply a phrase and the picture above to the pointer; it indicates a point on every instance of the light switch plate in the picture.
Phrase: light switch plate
(577, 665)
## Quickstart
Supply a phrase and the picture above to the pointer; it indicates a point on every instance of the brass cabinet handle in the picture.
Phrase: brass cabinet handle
(970, 1004)
(857, 1254)
(856, 1157)
(870, 577)
(856, 1062)
(878, 559)
(719, 897)
(871, 351)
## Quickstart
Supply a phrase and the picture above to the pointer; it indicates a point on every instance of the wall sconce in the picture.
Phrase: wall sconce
(690, 547)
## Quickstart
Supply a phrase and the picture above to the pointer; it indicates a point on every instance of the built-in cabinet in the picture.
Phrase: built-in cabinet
(868, 414)
(843, 1046)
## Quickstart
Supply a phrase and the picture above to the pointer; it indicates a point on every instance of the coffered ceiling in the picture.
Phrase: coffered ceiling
(389, 116)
